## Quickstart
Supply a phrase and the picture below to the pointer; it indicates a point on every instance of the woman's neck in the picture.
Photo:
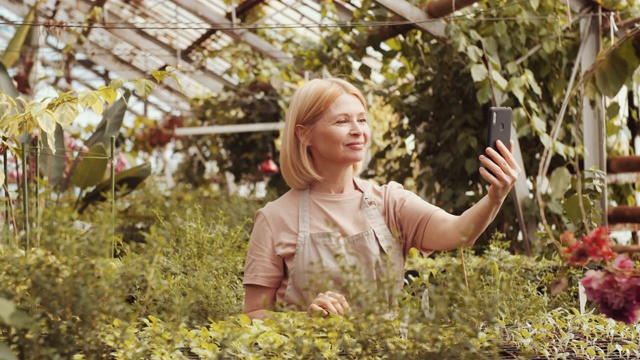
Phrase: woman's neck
(339, 183)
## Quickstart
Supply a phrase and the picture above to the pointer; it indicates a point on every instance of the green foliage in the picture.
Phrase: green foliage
(237, 153)
(175, 291)
(185, 271)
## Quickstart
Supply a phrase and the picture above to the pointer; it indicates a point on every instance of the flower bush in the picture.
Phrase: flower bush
(174, 292)
(615, 287)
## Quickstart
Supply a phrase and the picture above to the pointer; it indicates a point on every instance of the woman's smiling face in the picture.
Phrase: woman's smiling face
(341, 136)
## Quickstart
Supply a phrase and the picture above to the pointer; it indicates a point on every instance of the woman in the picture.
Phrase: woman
(331, 229)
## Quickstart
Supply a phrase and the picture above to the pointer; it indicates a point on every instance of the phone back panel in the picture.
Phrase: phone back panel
(499, 127)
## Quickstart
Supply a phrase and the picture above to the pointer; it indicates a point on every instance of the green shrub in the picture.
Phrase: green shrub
(175, 291)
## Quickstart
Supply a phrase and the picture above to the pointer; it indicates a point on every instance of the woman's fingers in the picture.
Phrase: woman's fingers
(501, 170)
(329, 302)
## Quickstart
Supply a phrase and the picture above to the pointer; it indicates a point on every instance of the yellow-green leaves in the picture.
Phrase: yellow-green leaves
(108, 94)
(144, 87)
(91, 99)
(66, 112)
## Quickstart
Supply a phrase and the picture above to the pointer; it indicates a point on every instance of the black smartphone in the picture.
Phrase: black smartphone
(499, 127)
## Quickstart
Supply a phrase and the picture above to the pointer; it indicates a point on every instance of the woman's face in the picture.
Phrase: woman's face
(341, 135)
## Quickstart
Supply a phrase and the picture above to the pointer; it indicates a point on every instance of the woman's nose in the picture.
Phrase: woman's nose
(355, 128)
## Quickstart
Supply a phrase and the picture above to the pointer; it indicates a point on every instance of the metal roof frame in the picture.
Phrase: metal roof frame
(134, 37)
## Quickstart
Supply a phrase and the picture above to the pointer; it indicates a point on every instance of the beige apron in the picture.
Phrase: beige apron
(367, 268)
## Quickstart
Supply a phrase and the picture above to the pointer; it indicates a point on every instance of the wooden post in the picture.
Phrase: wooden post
(593, 115)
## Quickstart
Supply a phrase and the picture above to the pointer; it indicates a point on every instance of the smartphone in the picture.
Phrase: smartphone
(499, 127)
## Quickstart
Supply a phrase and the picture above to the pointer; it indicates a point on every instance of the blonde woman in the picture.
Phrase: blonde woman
(332, 227)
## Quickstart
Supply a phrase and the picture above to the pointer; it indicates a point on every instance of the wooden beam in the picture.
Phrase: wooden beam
(417, 16)
(227, 129)
(223, 24)
(622, 164)
(146, 42)
(441, 8)
(624, 214)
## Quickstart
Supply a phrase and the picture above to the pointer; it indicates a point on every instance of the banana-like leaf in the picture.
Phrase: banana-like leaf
(13, 50)
(111, 123)
(6, 82)
(5, 353)
(91, 168)
(52, 166)
(616, 65)
(126, 181)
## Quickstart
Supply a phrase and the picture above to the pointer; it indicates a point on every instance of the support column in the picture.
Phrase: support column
(593, 127)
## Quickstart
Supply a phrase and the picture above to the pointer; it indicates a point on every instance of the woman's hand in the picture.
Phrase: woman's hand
(329, 302)
(501, 171)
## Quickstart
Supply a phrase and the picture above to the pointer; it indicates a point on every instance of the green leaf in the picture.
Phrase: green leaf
(365, 70)
(538, 124)
(478, 72)
(91, 99)
(474, 53)
(517, 88)
(108, 94)
(531, 80)
(159, 75)
(11, 316)
(116, 84)
(126, 181)
(91, 168)
(500, 81)
(66, 113)
(571, 207)
(144, 87)
(511, 67)
(559, 182)
(613, 110)
(47, 121)
(52, 167)
(110, 124)
(14, 48)
(611, 74)
(484, 94)
(5, 353)
(6, 83)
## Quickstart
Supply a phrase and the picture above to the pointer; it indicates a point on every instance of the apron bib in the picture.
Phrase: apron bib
(367, 268)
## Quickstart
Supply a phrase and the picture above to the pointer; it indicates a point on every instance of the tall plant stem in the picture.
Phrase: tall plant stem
(11, 213)
(464, 269)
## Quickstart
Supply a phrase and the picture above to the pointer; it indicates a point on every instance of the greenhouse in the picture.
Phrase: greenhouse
(319, 179)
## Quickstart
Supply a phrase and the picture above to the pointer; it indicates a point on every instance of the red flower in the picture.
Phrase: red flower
(595, 246)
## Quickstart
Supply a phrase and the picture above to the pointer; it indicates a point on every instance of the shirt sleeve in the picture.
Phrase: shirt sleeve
(412, 215)
(262, 266)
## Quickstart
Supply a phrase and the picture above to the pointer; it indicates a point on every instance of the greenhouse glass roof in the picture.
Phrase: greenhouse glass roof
(131, 38)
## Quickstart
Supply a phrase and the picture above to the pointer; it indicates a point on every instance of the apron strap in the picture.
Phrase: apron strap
(376, 221)
(303, 216)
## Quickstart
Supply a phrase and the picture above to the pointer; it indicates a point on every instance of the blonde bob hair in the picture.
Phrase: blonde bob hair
(307, 106)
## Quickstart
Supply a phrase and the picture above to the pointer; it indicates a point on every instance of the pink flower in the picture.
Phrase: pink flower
(623, 262)
(121, 162)
(616, 293)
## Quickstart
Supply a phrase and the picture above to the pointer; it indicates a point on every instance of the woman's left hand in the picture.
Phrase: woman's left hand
(501, 170)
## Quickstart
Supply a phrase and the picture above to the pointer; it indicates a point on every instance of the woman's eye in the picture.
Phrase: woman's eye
(362, 120)
(342, 121)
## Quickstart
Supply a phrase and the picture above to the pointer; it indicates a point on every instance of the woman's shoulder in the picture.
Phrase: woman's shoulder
(385, 191)
(285, 202)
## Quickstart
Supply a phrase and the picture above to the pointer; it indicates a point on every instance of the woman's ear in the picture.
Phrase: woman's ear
(302, 133)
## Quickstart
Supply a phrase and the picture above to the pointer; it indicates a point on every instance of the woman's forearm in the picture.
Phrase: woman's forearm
(258, 314)
(448, 232)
